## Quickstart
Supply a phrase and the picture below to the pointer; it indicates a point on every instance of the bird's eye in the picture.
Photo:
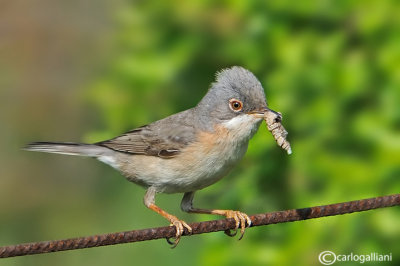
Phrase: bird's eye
(235, 105)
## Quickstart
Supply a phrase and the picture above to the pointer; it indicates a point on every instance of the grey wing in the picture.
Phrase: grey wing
(162, 139)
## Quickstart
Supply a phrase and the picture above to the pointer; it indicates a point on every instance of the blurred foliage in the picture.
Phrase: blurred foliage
(331, 67)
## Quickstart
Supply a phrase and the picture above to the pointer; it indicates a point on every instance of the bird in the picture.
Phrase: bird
(187, 151)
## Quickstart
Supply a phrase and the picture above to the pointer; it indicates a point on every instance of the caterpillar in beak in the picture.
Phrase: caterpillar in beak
(274, 125)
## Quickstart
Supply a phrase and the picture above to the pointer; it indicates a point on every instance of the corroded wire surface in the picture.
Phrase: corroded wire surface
(198, 228)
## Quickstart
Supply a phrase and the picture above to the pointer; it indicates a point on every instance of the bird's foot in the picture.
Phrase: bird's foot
(242, 220)
(179, 226)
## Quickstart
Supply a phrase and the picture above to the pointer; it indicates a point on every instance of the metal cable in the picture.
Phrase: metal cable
(198, 228)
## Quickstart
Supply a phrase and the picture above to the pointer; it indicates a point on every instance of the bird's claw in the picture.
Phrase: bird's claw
(229, 233)
(242, 220)
(179, 226)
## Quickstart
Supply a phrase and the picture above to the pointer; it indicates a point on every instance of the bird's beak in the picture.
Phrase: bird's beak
(259, 113)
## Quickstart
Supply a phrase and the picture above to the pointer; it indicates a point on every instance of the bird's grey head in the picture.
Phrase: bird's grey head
(235, 92)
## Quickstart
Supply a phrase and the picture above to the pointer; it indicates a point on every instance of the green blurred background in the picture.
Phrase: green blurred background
(90, 70)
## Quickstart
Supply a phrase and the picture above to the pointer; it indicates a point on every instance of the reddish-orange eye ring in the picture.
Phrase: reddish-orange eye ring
(235, 105)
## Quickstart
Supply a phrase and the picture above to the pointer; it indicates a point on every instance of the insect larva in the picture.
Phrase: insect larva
(274, 125)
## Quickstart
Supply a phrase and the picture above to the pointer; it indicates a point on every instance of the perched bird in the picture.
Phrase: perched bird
(187, 151)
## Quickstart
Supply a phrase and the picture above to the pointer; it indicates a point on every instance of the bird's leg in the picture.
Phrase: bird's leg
(242, 220)
(149, 201)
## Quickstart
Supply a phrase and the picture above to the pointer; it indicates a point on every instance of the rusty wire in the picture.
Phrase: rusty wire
(198, 228)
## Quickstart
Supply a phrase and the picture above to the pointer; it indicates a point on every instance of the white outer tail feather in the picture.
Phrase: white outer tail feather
(103, 154)
(68, 148)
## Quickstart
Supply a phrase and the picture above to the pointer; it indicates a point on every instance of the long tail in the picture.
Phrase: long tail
(68, 148)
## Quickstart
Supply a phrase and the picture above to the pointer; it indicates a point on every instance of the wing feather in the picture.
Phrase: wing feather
(164, 138)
